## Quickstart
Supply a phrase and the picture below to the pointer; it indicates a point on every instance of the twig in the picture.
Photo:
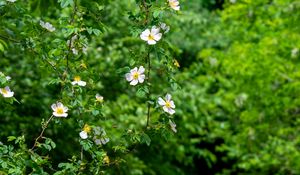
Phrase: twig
(149, 85)
(41, 134)
(9, 39)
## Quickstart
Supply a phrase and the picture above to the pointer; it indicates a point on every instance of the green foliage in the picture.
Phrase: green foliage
(231, 68)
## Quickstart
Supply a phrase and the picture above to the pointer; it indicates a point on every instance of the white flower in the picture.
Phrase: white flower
(83, 135)
(77, 80)
(47, 26)
(75, 51)
(100, 136)
(164, 27)
(99, 98)
(167, 104)
(174, 4)
(151, 36)
(173, 126)
(101, 141)
(8, 78)
(59, 110)
(6, 92)
(136, 75)
(11, 0)
(295, 53)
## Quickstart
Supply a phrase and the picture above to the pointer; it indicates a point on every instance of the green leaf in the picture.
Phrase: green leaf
(145, 139)
(65, 3)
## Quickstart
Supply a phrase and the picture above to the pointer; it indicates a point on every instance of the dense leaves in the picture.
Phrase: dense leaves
(231, 68)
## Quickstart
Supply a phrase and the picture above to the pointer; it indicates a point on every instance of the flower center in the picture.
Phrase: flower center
(168, 104)
(135, 75)
(87, 128)
(150, 37)
(4, 91)
(172, 4)
(77, 78)
(59, 110)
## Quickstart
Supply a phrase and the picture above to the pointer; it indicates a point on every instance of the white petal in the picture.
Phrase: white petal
(141, 78)
(60, 115)
(59, 104)
(154, 30)
(145, 34)
(53, 106)
(157, 37)
(8, 95)
(166, 109)
(176, 8)
(65, 109)
(134, 82)
(168, 97)
(151, 42)
(74, 82)
(134, 70)
(7, 88)
(83, 135)
(161, 101)
(129, 77)
(171, 111)
(141, 69)
(81, 83)
(172, 104)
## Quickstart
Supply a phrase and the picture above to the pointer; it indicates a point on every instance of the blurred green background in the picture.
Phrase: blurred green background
(236, 90)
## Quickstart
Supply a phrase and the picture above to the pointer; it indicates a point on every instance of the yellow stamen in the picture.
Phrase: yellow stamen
(59, 110)
(168, 104)
(135, 75)
(87, 128)
(77, 78)
(176, 63)
(150, 37)
(4, 91)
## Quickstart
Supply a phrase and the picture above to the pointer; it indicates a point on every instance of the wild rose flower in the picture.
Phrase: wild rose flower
(99, 98)
(164, 27)
(173, 126)
(174, 4)
(47, 25)
(6, 92)
(77, 80)
(136, 75)
(167, 104)
(100, 137)
(59, 110)
(85, 131)
(151, 36)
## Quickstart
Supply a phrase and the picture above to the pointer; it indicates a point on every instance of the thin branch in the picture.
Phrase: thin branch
(9, 39)
(41, 134)
(149, 86)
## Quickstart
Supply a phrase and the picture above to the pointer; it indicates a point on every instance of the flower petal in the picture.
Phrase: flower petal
(154, 30)
(134, 70)
(141, 69)
(172, 104)
(144, 35)
(81, 83)
(161, 101)
(157, 36)
(171, 111)
(141, 78)
(83, 135)
(151, 42)
(134, 82)
(166, 109)
(53, 106)
(168, 97)
(129, 77)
